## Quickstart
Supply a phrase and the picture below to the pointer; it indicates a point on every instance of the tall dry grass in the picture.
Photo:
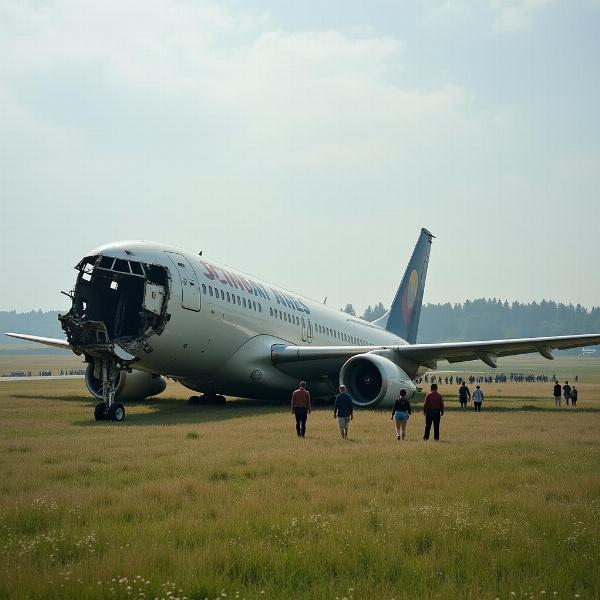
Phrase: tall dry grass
(184, 501)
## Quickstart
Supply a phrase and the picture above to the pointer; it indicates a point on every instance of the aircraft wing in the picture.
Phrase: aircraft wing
(428, 354)
(54, 342)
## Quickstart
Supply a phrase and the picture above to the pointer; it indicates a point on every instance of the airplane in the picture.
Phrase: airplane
(143, 311)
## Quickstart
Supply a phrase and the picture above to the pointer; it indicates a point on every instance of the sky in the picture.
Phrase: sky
(306, 143)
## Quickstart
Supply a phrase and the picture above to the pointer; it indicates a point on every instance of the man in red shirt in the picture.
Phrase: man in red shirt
(433, 409)
(301, 408)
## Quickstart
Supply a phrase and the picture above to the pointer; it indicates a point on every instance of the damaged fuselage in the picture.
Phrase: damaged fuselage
(141, 311)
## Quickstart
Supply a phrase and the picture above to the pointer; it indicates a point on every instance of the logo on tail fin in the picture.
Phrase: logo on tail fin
(403, 316)
(410, 295)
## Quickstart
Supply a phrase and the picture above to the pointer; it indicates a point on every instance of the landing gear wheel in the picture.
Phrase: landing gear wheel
(100, 411)
(116, 412)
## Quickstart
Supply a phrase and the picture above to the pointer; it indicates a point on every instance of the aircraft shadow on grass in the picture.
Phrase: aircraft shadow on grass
(177, 411)
(172, 411)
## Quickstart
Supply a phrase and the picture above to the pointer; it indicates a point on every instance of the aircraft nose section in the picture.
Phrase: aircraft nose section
(118, 303)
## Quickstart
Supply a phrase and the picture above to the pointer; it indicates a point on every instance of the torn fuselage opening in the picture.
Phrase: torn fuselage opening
(117, 304)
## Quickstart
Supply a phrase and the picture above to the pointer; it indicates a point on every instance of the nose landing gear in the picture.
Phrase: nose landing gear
(108, 409)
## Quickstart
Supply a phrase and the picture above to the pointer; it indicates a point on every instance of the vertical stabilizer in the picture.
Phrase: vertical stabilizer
(403, 316)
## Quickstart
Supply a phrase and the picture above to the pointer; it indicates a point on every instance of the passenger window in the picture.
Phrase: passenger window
(259, 308)
(244, 302)
(204, 288)
(253, 304)
(222, 295)
(210, 290)
(271, 311)
(228, 297)
(280, 315)
(239, 301)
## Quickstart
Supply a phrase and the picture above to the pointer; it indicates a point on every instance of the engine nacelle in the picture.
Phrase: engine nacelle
(373, 380)
(136, 385)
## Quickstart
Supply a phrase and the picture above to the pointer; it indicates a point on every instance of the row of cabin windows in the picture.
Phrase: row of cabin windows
(344, 337)
(287, 317)
(295, 320)
(231, 298)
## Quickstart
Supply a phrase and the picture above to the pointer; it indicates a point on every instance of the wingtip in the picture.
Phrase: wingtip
(427, 232)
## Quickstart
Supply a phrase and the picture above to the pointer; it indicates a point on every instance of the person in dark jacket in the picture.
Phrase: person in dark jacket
(464, 395)
(400, 413)
(433, 408)
(567, 392)
(557, 393)
(342, 411)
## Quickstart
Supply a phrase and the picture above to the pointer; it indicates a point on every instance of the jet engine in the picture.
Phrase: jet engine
(373, 380)
(135, 385)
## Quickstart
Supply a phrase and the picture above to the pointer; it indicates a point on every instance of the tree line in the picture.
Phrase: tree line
(491, 318)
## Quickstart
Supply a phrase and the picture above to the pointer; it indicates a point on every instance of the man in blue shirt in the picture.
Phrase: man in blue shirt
(342, 411)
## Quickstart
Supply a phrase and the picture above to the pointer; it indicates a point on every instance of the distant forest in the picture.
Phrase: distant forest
(486, 319)
(479, 319)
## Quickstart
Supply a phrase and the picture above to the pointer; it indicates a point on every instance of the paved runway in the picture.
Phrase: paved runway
(41, 377)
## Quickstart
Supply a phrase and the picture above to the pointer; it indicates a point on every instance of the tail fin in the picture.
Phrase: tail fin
(403, 316)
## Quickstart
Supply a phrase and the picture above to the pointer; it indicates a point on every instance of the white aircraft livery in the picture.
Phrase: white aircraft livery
(143, 311)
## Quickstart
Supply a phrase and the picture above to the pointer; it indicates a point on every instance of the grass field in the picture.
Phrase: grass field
(215, 502)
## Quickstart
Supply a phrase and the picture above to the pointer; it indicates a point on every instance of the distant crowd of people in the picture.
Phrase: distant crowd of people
(497, 378)
(45, 373)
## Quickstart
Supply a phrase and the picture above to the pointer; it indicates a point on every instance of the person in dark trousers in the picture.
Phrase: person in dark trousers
(557, 393)
(301, 408)
(567, 392)
(477, 399)
(574, 394)
(464, 394)
(433, 408)
(342, 411)
(400, 413)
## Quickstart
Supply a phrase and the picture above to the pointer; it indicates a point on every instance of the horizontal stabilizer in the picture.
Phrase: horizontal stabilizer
(54, 342)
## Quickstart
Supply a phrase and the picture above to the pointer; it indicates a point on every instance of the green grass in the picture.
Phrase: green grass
(206, 501)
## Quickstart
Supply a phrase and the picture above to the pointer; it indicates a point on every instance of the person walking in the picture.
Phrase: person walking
(464, 394)
(301, 408)
(477, 399)
(433, 409)
(401, 413)
(557, 393)
(567, 392)
(342, 411)
(574, 394)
